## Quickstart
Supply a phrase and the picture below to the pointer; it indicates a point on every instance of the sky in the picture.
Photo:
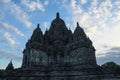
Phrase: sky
(100, 20)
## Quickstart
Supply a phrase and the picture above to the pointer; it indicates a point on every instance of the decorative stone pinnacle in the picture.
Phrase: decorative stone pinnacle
(77, 24)
(38, 25)
(11, 61)
(57, 15)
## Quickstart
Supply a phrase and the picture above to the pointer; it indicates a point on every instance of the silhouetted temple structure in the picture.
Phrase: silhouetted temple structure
(58, 54)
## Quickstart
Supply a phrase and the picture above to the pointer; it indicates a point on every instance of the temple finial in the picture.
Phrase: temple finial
(78, 24)
(38, 25)
(10, 66)
(11, 61)
(57, 15)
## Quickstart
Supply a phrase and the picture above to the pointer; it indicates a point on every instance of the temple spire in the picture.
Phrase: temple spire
(57, 15)
(10, 66)
(11, 61)
(78, 24)
(79, 32)
(38, 25)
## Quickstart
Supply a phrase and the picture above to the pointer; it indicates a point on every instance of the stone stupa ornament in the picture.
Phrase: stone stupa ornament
(57, 15)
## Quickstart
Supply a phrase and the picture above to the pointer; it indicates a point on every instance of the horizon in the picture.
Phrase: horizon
(99, 19)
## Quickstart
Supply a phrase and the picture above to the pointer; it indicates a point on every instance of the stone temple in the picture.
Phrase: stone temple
(58, 54)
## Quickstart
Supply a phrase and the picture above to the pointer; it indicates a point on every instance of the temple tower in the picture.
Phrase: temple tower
(58, 46)
(58, 54)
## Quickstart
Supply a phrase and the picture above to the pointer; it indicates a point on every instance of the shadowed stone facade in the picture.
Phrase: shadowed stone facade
(58, 47)
(59, 54)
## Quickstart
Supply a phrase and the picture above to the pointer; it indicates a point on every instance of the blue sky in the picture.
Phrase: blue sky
(99, 18)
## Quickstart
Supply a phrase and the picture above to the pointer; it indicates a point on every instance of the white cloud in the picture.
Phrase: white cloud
(21, 15)
(9, 38)
(116, 19)
(6, 1)
(46, 2)
(73, 4)
(34, 5)
(12, 28)
(18, 12)
(8, 55)
(94, 4)
(111, 54)
(76, 9)
(83, 1)
(101, 22)
(46, 25)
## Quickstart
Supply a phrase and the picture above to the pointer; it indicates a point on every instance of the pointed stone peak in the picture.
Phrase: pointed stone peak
(78, 24)
(38, 28)
(57, 23)
(79, 31)
(11, 61)
(57, 15)
(78, 27)
(70, 30)
(46, 29)
(10, 66)
(38, 25)
(37, 35)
